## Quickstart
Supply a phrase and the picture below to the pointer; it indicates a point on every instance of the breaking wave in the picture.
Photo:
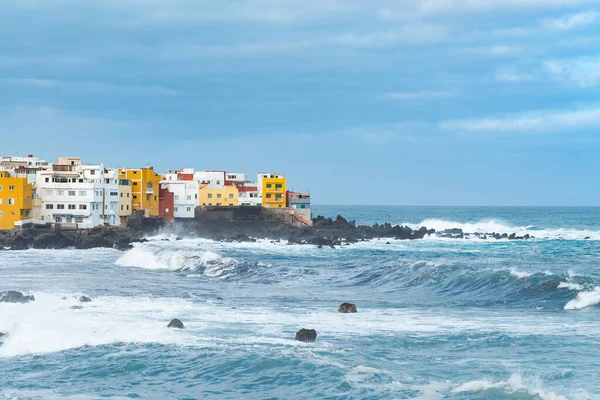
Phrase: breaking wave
(515, 386)
(496, 226)
(207, 263)
(584, 299)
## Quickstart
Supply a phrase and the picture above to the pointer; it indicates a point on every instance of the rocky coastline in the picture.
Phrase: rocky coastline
(325, 232)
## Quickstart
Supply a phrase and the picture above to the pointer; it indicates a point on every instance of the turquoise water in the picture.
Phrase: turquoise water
(437, 318)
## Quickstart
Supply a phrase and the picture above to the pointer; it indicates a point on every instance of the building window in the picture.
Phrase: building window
(71, 193)
(134, 197)
(134, 183)
(11, 187)
(278, 186)
(167, 209)
(71, 206)
(114, 193)
(189, 209)
(176, 197)
(128, 208)
(269, 186)
(231, 196)
(128, 195)
(60, 206)
(218, 195)
(60, 192)
(10, 201)
(49, 206)
(47, 179)
(268, 196)
(196, 197)
(189, 197)
(80, 180)
(121, 207)
(121, 194)
(176, 209)
(0, 188)
(83, 207)
(210, 195)
(79, 220)
(93, 172)
(48, 192)
(0, 200)
(83, 193)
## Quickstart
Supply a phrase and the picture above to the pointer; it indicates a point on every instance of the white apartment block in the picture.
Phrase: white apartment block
(214, 179)
(186, 193)
(73, 193)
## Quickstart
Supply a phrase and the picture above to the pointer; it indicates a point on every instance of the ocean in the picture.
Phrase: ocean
(437, 318)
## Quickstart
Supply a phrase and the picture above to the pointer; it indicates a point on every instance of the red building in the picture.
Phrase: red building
(166, 204)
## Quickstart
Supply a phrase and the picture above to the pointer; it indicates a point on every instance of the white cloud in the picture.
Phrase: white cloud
(89, 86)
(509, 75)
(573, 21)
(583, 72)
(538, 121)
(404, 96)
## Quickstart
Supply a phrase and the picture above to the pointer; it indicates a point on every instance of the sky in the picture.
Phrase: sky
(378, 102)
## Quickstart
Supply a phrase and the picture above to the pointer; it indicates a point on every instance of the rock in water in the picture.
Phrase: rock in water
(347, 308)
(11, 296)
(85, 299)
(175, 323)
(306, 335)
(220, 298)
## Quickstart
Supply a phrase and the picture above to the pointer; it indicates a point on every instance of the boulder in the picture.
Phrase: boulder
(12, 296)
(85, 299)
(175, 323)
(306, 335)
(347, 308)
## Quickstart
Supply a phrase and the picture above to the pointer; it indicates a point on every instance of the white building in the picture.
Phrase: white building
(23, 167)
(235, 178)
(214, 179)
(186, 192)
(249, 194)
(73, 193)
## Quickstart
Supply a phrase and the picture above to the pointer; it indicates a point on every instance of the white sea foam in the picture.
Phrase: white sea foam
(514, 385)
(519, 274)
(584, 299)
(570, 286)
(49, 324)
(497, 226)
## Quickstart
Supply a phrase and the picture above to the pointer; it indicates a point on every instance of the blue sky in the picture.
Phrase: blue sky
(441, 102)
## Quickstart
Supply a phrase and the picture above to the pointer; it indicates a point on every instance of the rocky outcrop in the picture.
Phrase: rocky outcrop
(347, 308)
(306, 335)
(85, 299)
(175, 323)
(12, 296)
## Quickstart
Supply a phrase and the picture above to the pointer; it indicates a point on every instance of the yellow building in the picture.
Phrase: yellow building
(145, 184)
(218, 196)
(125, 200)
(15, 200)
(273, 190)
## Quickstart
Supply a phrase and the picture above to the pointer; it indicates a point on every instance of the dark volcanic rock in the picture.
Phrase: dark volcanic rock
(175, 323)
(347, 308)
(12, 296)
(52, 240)
(85, 299)
(306, 335)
